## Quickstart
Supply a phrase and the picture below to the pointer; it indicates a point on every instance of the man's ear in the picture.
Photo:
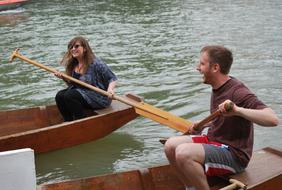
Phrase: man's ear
(215, 67)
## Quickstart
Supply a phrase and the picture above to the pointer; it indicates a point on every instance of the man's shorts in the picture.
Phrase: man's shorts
(218, 158)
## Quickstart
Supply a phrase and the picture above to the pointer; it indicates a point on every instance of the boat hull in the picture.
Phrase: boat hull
(42, 129)
(11, 4)
(257, 176)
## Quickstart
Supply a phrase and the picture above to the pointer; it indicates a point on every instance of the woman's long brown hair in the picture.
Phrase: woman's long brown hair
(70, 62)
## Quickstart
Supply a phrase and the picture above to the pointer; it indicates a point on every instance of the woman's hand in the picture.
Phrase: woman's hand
(59, 74)
(111, 88)
(111, 93)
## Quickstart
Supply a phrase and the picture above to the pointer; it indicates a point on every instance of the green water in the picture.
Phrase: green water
(153, 47)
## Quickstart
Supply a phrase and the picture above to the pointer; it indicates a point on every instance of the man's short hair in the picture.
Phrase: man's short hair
(219, 55)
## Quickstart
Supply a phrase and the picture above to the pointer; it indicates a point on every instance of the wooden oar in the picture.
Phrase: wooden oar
(141, 108)
(203, 122)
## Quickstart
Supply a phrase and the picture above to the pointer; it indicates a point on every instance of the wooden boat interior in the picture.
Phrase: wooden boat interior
(263, 172)
(43, 130)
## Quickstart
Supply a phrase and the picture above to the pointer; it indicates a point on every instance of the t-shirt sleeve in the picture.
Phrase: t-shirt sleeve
(106, 72)
(243, 97)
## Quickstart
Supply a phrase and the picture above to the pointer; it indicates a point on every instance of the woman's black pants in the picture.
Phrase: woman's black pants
(71, 104)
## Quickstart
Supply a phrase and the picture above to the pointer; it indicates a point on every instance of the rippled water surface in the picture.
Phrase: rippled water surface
(153, 47)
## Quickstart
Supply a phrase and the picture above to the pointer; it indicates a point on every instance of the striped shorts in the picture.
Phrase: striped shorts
(218, 158)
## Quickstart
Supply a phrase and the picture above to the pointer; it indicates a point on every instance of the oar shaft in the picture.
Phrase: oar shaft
(207, 119)
(52, 70)
(198, 126)
(203, 122)
(141, 108)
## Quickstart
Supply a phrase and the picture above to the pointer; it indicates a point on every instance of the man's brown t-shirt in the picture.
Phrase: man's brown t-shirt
(236, 132)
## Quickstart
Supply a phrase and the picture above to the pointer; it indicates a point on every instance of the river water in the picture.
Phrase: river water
(153, 47)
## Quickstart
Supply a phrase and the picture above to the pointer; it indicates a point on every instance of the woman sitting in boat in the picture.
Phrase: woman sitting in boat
(81, 63)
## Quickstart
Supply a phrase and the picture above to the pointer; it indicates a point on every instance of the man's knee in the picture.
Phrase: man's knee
(190, 152)
(173, 142)
(183, 152)
(169, 146)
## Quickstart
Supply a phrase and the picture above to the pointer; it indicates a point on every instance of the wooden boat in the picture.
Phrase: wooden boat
(263, 172)
(11, 4)
(12, 19)
(42, 128)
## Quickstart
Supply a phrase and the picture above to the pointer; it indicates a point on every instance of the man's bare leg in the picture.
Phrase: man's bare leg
(187, 159)
(170, 147)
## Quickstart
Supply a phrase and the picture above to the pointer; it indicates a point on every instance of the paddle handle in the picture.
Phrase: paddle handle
(52, 70)
(235, 184)
(198, 126)
(203, 122)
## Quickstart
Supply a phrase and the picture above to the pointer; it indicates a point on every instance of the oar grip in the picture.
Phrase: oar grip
(229, 106)
(234, 184)
(13, 56)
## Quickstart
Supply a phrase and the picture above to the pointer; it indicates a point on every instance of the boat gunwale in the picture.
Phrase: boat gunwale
(63, 124)
(13, 2)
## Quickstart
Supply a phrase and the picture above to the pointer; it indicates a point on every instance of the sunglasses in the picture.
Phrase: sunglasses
(75, 46)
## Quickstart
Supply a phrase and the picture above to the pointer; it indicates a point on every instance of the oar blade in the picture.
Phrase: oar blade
(163, 117)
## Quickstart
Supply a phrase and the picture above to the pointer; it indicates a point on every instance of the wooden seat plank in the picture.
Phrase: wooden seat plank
(264, 165)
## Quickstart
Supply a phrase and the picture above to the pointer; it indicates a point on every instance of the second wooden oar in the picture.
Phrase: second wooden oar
(141, 108)
(235, 184)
